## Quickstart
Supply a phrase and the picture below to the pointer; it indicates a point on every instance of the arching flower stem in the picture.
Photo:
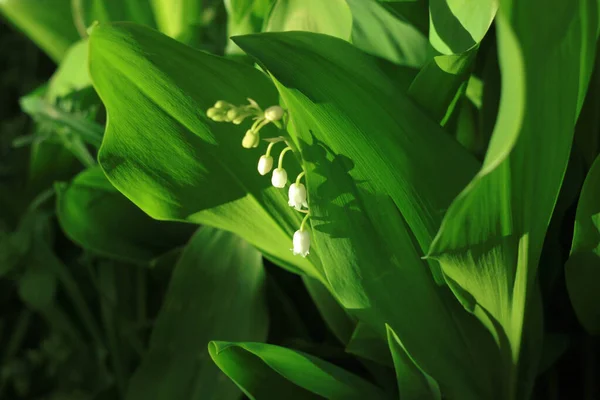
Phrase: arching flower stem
(304, 221)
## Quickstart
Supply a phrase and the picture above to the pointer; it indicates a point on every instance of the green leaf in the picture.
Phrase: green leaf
(413, 383)
(99, 218)
(72, 74)
(245, 16)
(86, 12)
(332, 17)
(582, 271)
(48, 23)
(265, 371)
(37, 285)
(60, 156)
(372, 158)
(369, 344)
(216, 292)
(455, 26)
(179, 19)
(415, 12)
(376, 31)
(438, 83)
(491, 237)
(337, 319)
(165, 155)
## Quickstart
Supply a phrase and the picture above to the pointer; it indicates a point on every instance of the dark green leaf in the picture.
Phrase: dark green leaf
(216, 292)
(100, 219)
(413, 383)
(582, 271)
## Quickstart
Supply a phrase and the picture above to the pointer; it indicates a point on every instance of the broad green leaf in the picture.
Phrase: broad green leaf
(61, 155)
(332, 17)
(72, 73)
(163, 153)
(582, 271)
(415, 12)
(86, 12)
(377, 182)
(243, 17)
(216, 292)
(369, 344)
(413, 383)
(99, 218)
(265, 371)
(49, 23)
(378, 32)
(491, 237)
(455, 26)
(179, 19)
(437, 85)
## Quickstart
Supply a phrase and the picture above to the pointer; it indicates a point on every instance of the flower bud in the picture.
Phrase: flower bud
(239, 120)
(273, 113)
(212, 112)
(279, 178)
(265, 164)
(250, 140)
(301, 242)
(232, 114)
(220, 104)
(297, 196)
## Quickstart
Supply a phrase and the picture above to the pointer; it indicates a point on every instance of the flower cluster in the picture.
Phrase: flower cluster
(223, 111)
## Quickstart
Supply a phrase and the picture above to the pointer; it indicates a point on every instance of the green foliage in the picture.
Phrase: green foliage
(53, 31)
(436, 151)
(265, 371)
(100, 219)
(218, 270)
(190, 151)
(583, 267)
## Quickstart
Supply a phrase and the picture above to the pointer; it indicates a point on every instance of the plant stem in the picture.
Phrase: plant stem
(280, 164)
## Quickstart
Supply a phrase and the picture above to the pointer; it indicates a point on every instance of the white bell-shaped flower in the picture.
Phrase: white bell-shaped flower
(251, 139)
(265, 164)
(297, 196)
(301, 242)
(273, 113)
(279, 178)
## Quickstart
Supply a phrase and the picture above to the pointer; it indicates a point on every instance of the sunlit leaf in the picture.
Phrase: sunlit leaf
(265, 371)
(243, 17)
(377, 183)
(331, 17)
(378, 32)
(48, 23)
(86, 12)
(492, 235)
(179, 19)
(457, 25)
(165, 155)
